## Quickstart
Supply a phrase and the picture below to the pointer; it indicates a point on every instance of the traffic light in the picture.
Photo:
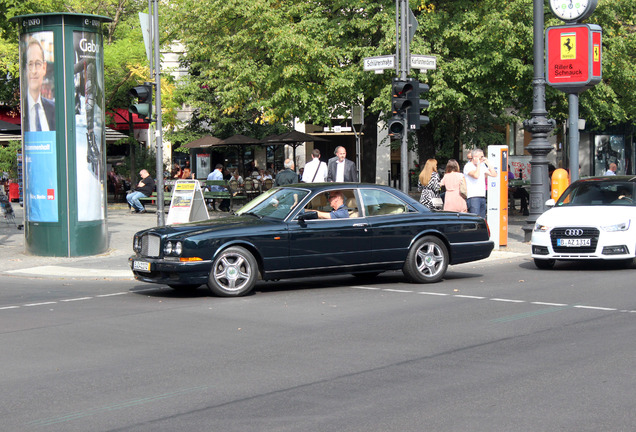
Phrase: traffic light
(399, 105)
(416, 104)
(399, 96)
(143, 107)
(396, 127)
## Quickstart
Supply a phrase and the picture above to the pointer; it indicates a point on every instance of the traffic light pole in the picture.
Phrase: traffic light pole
(402, 45)
(158, 127)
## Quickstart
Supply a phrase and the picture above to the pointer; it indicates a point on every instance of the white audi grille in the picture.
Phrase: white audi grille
(150, 245)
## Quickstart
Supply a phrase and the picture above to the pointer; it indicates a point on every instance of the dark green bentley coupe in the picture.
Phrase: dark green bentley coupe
(279, 235)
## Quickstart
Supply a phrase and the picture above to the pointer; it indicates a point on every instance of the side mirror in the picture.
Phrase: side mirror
(303, 216)
(550, 203)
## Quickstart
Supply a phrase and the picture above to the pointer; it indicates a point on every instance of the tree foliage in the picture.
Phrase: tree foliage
(272, 60)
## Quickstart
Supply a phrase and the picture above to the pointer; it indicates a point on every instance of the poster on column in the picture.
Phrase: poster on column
(38, 120)
(89, 125)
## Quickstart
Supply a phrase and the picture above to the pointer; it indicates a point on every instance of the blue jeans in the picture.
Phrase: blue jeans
(477, 205)
(133, 200)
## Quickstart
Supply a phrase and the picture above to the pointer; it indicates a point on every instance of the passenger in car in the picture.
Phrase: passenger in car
(336, 201)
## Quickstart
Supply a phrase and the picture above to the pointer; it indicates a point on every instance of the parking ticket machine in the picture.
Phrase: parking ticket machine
(497, 202)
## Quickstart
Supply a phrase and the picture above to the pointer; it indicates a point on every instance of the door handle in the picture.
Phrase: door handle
(360, 225)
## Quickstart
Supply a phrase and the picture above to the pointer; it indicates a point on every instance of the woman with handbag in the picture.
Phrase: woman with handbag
(429, 186)
(454, 181)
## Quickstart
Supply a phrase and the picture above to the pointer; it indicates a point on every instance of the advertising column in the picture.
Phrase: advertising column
(62, 105)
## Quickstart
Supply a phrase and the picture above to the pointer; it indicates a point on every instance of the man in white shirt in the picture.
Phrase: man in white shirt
(612, 169)
(475, 173)
(41, 111)
(315, 170)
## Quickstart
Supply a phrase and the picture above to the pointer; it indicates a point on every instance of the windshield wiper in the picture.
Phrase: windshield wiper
(252, 214)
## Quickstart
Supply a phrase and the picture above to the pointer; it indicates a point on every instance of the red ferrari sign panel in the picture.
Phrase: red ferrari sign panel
(573, 57)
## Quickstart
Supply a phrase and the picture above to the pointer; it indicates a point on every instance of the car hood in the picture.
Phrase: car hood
(586, 215)
(227, 223)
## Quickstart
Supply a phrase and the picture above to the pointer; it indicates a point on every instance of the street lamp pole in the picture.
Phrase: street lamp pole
(540, 126)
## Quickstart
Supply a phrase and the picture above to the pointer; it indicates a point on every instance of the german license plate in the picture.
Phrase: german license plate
(141, 266)
(574, 242)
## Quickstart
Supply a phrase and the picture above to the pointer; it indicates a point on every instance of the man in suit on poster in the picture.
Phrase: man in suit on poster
(341, 169)
(40, 110)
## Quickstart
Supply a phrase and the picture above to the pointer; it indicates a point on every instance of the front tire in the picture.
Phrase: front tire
(544, 264)
(427, 260)
(233, 273)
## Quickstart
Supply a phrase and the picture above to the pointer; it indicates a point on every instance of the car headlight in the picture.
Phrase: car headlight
(541, 228)
(623, 226)
(137, 244)
(172, 248)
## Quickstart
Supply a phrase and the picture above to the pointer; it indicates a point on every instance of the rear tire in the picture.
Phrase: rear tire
(544, 264)
(427, 260)
(233, 273)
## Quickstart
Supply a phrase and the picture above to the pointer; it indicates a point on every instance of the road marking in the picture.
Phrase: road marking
(39, 304)
(9, 307)
(507, 300)
(366, 288)
(76, 299)
(595, 308)
(113, 294)
(549, 304)
(553, 306)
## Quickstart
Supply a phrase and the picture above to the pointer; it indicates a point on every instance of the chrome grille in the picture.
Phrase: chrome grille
(150, 245)
(563, 232)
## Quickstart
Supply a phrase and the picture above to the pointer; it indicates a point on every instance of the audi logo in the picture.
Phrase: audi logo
(573, 232)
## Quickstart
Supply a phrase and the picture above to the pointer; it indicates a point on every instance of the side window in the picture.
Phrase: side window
(379, 202)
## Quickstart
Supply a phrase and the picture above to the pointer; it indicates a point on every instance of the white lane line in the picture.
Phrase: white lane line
(549, 304)
(469, 297)
(40, 304)
(507, 300)
(397, 290)
(9, 307)
(594, 308)
(76, 299)
(113, 294)
(367, 288)
(432, 293)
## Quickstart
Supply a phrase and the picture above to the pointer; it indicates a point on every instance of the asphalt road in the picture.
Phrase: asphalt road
(496, 346)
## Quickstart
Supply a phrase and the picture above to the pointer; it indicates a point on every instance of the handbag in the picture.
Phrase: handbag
(437, 203)
(463, 192)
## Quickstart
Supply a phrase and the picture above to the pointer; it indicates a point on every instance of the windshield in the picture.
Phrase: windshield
(598, 194)
(275, 203)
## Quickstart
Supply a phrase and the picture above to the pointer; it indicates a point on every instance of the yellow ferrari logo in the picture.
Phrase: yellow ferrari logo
(597, 53)
(568, 46)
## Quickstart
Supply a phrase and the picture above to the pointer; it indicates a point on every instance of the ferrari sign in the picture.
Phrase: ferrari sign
(573, 57)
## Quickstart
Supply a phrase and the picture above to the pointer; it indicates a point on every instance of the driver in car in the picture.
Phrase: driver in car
(336, 201)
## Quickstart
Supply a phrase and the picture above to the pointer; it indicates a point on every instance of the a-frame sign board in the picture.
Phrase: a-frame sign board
(187, 203)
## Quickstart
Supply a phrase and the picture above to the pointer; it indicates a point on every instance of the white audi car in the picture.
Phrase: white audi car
(594, 219)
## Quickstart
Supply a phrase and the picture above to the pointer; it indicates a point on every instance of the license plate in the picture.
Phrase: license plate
(574, 242)
(141, 266)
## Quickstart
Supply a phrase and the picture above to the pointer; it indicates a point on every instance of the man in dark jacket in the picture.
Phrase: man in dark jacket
(145, 188)
(286, 176)
(341, 169)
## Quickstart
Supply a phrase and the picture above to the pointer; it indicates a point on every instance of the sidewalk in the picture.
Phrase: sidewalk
(122, 225)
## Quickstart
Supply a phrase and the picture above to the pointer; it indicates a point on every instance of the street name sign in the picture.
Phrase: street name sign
(423, 62)
(379, 64)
